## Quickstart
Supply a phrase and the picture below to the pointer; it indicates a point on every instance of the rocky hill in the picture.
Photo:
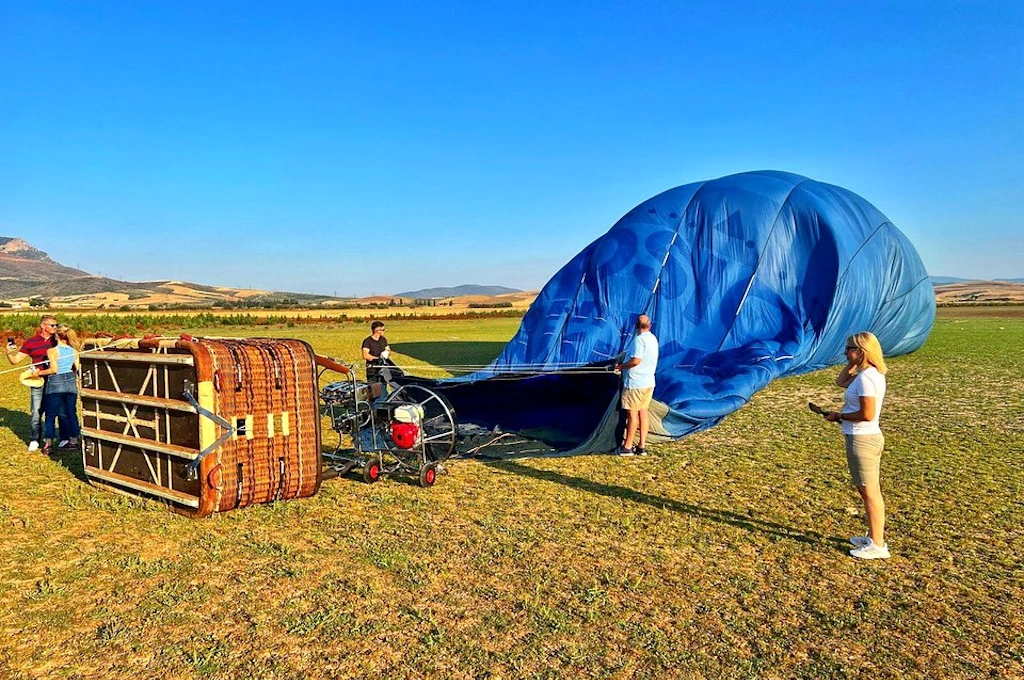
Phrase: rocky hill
(28, 274)
(22, 263)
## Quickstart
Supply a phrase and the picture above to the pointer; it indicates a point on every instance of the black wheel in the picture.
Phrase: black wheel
(428, 475)
(371, 471)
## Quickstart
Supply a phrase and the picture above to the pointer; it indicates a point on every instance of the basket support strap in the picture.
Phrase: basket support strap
(192, 468)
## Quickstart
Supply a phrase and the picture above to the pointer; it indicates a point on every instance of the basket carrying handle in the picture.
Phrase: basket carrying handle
(213, 478)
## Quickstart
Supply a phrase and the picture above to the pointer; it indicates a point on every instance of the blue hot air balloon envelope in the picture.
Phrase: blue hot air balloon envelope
(747, 278)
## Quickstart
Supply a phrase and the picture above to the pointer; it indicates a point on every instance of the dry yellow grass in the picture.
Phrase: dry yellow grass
(980, 291)
(182, 297)
(182, 294)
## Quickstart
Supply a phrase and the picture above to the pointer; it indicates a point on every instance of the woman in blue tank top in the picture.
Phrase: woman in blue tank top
(60, 394)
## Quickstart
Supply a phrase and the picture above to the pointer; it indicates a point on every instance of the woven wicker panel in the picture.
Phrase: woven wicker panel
(268, 387)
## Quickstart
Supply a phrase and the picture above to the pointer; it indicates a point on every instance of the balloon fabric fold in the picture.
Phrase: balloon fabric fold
(747, 278)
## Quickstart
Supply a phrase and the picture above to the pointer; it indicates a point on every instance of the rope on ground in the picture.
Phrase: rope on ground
(477, 448)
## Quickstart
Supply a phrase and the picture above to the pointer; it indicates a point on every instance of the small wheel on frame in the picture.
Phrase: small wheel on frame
(371, 471)
(428, 475)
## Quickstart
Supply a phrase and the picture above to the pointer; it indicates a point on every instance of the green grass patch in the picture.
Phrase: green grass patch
(719, 556)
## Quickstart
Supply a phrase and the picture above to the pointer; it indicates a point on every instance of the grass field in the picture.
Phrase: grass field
(719, 556)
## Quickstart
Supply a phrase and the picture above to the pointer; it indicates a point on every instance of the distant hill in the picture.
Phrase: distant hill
(19, 261)
(21, 249)
(457, 291)
(27, 273)
(943, 280)
(980, 291)
(30, 277)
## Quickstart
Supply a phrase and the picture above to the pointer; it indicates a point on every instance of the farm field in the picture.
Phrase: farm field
(719, 556)
(365, 308)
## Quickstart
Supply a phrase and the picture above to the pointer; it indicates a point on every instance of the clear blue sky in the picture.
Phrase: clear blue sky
(348, 148)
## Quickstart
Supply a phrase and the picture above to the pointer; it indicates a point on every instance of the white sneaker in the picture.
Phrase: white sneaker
(860, 541)
(33, 445)
(871, 552)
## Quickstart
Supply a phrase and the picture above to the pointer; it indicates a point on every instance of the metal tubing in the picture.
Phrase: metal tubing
(146, 487)
(144, 358)
(169, 449)
(137, 400)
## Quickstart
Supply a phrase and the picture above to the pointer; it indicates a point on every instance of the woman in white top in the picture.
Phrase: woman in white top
(864, 380)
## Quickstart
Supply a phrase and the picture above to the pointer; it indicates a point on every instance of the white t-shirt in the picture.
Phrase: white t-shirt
(867, 383)
(645, 347)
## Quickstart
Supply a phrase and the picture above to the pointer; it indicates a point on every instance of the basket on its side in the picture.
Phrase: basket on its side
(206, 425)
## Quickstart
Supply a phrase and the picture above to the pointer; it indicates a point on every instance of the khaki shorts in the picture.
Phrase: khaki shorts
(863, 455)
(637, 399)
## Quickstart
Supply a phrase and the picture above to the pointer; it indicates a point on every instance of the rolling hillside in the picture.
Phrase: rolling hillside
(27, 274)
(30, 276)
(980, 292)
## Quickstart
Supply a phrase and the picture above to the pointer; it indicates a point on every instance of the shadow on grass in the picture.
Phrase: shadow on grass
(355, 476)
(722, 516)
(451, 353)
(17, 422)
(71, 459)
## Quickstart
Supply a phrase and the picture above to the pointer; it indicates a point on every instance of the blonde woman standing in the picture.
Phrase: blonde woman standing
(60, 394)
(863, 377)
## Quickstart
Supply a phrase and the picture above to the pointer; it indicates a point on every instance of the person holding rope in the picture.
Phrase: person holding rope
(60, 394)
(863, 377)
(376, 352)
(638, 386)
(35, 348)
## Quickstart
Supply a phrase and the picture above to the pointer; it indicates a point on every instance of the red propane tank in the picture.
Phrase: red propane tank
(405, 435)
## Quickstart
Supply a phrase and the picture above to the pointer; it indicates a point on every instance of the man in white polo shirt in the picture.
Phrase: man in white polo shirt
(638, 386)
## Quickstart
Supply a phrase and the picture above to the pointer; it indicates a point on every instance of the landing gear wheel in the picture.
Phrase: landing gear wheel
(428, 475)
(371, 471)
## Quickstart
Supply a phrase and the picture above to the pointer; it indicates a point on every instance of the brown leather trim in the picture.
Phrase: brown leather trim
(330, 363)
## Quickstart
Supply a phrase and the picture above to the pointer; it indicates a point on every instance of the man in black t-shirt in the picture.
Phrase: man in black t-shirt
(375, 353)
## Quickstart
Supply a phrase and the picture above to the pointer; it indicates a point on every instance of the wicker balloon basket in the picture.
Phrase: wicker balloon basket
(206, 425)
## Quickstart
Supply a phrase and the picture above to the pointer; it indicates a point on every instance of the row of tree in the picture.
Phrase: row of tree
(136, 323)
